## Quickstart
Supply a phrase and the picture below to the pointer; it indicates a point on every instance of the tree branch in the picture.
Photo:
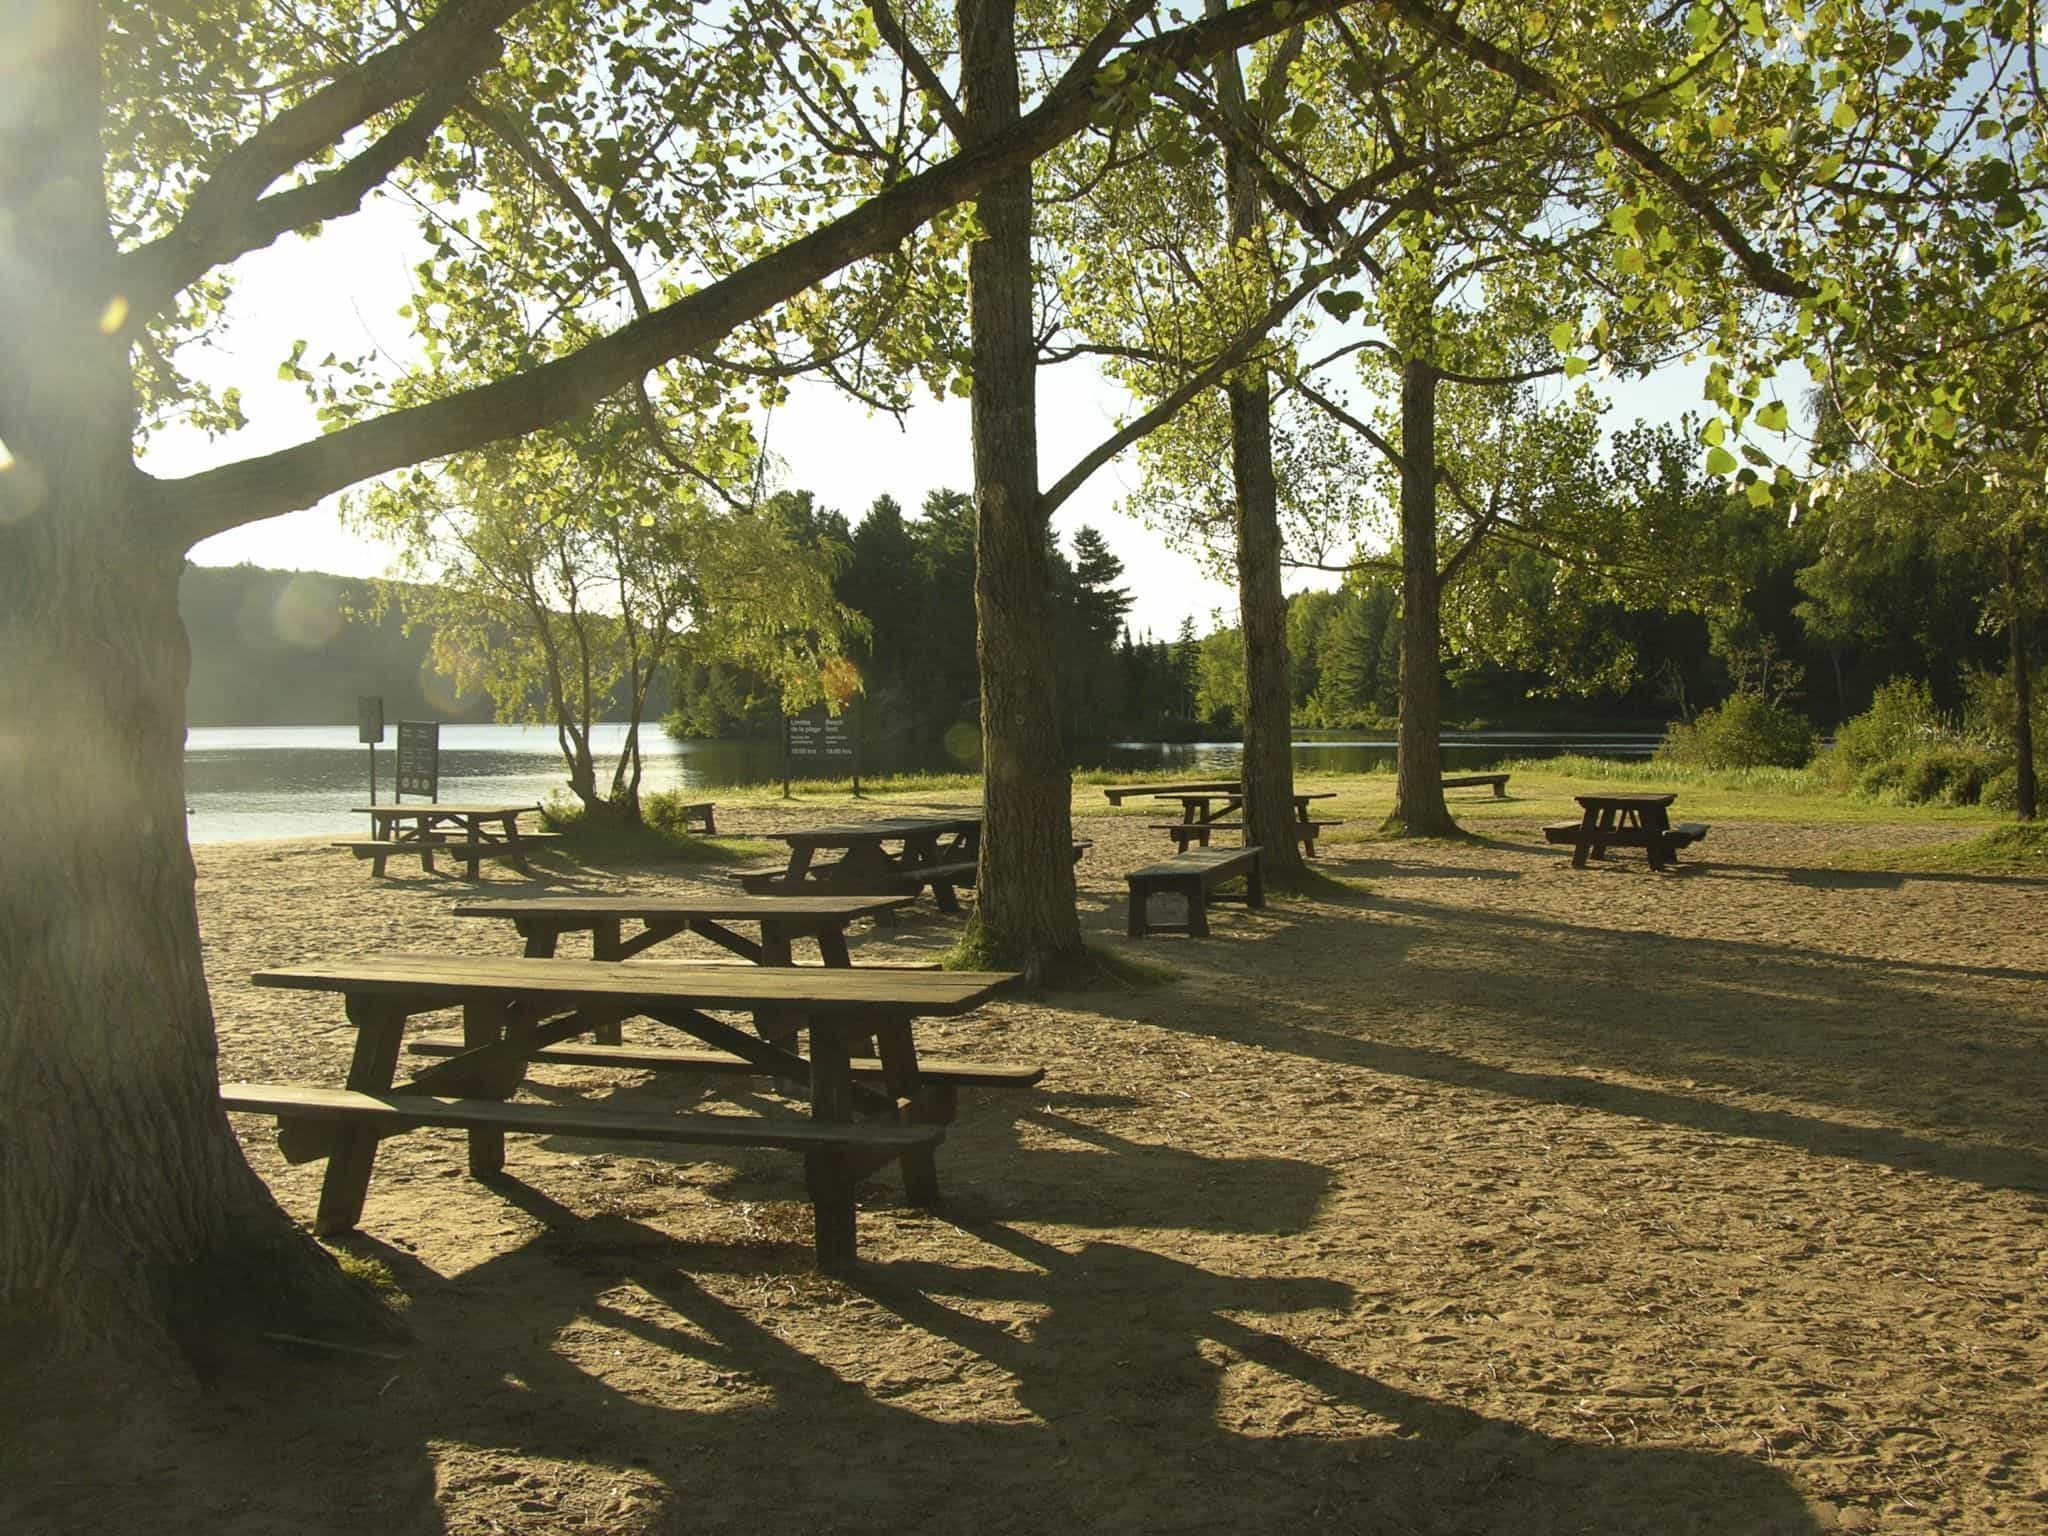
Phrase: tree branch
(228, 216)
(204, 504)
(920, 68)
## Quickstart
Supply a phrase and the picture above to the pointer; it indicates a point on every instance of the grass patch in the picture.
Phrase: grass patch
(1315, 885)
(659, 839)
(2007, 850)
(872, 786)
(373, 1275)
(1093, 967)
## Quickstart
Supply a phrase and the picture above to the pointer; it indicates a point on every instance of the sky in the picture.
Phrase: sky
(341, 292)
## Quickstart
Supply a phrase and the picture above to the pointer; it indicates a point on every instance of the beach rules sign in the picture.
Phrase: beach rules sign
(419, 758)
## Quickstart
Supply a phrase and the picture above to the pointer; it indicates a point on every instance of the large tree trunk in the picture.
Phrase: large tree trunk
(1025, 907)
(128, 1217)
(1262, 605)
(2025, 787)
(1419, 809)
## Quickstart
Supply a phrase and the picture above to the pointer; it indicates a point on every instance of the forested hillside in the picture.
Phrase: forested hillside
(284, 648)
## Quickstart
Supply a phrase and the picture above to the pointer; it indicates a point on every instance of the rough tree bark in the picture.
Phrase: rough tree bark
(1025, 887)
(125, 1204)
(1419, 809)
(2025, 787)
(1268, 763)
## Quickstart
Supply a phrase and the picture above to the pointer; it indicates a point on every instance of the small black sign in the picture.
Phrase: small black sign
(818, 734)
(419, 758)
(369, 719)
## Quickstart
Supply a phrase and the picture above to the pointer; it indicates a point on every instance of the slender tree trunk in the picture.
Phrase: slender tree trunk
(1262, 606)
(128, 1218)
(1419, 809)
(2026, 787)
(1025, 905)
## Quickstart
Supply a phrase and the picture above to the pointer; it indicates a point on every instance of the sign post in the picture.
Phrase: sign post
(816, 735)
(419, 759)
(370, 731)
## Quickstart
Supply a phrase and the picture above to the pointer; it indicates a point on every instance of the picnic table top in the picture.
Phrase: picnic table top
(1116, 794)
(1212, 794)
(714, 908)
(1624, 800)
(824, 989)
(884, 829)
(445, 808)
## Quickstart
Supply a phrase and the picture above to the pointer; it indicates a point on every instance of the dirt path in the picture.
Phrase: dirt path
(1502, 1198)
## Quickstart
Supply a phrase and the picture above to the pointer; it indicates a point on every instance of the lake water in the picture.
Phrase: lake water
(300, 781)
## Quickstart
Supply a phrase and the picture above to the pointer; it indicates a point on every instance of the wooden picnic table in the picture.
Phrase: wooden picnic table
(515, 1010)
(891, 856)
(427, 827)
(1117, 794)
(1626, 821)
(1195, 804)
(542, 920)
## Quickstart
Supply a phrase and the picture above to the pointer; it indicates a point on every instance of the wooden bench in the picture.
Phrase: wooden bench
(836, 1156)
(378, 849)
(1184, 832)
(1499, 781)
(953, 1070)
(1661, 843)
(699, 814)
(1193, 876)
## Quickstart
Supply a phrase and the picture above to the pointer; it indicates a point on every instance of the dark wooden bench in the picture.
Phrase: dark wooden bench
(378, 849)
(952, 1070)
(836, 1155)
(1193, 876)
(1499, 781)
(699, 814)
(1662, 843)
(1185, 832)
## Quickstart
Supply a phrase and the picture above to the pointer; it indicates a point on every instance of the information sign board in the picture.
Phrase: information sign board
(369, 719)
(419, 758)
(817, 734)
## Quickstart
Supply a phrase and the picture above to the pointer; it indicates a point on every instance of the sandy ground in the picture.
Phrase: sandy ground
(1501, 1198)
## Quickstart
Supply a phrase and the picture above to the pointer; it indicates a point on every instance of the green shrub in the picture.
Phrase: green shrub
(1951, 775)
(1748, 731)
(2001, 792)
(1901, 720)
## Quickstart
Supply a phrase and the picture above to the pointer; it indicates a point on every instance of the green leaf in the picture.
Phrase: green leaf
(1844, 116)
(1720, 462)
(1759, 494)
(1774, 417)
(1574, 366)
(1563, 336)
(1713, 432)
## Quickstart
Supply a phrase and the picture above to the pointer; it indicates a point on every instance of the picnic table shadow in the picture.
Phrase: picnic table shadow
(1103, 1412)
(1662, 987)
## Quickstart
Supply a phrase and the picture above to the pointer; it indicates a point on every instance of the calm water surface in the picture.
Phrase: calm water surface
(300, 781)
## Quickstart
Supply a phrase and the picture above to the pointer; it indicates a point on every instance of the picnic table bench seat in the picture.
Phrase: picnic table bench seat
(836, 1154)
(958, 1071)
(1662, 843)
(1499, 781)
(1193, 875)
(378, 849)
(1306, 831)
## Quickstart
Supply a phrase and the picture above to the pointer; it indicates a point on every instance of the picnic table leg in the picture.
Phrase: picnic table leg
(483, 1023)
(540, 937)
(606, 943)
(1140, 895)
(1589, 824)
(1198, 908)
(923, 1104)
(518, 848)
(830, 1174)
(832, 946)
(379, 1025)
